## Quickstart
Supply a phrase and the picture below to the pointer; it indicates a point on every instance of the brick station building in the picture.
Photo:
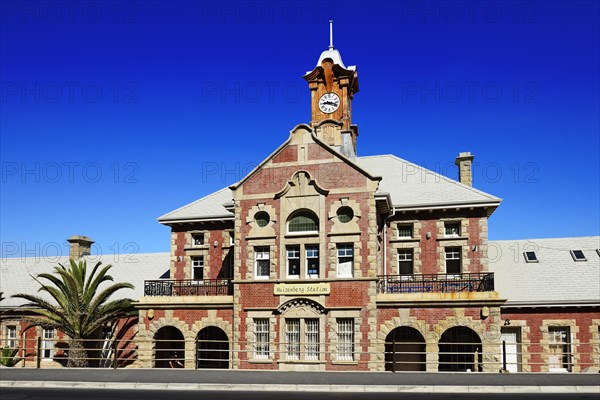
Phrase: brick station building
(320, 259)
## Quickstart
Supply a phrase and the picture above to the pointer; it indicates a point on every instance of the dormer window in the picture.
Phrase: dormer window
(578, 255)
(405, 231)
(198, 240)
(530, 256)
(452, 229)
(303, 221)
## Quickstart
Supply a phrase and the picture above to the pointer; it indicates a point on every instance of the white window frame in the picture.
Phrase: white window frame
(449, 227)
(345, 254)
(345, 339)
(528, 259)
(312, 339)
(48, 338)
(11, 336)
(262, 255)
(262, 339)
(455, 254)
(310, 250)
(293, 252)
(405, 255)
(575, 258)
(197, 263)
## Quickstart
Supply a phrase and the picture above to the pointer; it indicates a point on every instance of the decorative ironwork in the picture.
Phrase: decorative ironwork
(188, 287)
(438, 283)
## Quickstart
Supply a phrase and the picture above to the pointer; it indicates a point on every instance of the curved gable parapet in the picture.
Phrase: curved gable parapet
(301, 305)
(293, 185)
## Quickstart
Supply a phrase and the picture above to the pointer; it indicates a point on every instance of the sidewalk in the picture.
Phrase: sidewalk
(153, 379)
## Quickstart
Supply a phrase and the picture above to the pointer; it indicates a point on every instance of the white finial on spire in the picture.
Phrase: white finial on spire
(330, 34)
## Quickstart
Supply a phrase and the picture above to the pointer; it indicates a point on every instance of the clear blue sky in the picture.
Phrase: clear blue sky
(114, 113)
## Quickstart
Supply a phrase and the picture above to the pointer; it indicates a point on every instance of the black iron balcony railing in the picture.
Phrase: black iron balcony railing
(188, 287)
(440, 283)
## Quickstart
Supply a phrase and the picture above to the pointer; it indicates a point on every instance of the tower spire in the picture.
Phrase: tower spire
(330, 34)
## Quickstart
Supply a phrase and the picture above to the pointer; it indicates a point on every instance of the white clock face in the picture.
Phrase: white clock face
(329, 102)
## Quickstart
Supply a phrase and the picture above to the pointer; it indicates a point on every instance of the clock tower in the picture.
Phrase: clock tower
(332, 88)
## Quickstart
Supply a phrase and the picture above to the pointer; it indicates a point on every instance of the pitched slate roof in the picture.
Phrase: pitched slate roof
(210, 206)
(555, 279)
(16, 273)
(412, 186)
(409, 185)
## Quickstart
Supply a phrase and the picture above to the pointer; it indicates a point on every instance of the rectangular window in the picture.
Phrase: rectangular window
(11, 337)
(293, 261)
(559, 341)
(312, 339)
(263, 263)
(452, 229)
(530, 256)
(453, 260)
(198, 268)
(578, 255)
(261, 334)
(312, 261)
(48, 343)
(405, 231)
(198, 239)
(292, 338)
(345, 253)
(345, 347)
(405, 261)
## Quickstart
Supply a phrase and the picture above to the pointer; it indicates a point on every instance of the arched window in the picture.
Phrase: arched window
(303, 221)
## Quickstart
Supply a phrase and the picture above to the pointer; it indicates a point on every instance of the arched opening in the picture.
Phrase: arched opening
(212, 348)
(169, 348)
(460, 350)
(303, 221)
(405, 350)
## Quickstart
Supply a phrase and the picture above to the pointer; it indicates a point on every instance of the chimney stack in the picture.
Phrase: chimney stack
(464, 161)
(79, 246)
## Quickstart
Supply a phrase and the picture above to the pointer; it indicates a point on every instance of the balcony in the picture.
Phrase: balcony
(188, 287)
(436, 283)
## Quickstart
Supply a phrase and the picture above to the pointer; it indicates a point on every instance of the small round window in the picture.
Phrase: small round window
(261, 218)
(345, 214)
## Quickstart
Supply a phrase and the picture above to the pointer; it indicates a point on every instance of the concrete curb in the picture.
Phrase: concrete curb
(299, 388)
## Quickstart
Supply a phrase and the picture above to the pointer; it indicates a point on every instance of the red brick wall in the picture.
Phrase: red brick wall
(535, 320)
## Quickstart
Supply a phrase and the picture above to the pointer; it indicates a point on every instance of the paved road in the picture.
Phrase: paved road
(298, 378)
(91, 394)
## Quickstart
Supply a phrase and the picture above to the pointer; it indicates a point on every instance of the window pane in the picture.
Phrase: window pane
(292, 338)
(263, 264)
(453, 260)
(345, 260)
(452, 229)
(345, 214)
(262, 218)
(405, 262)
(11, 337)
(312, 339)
(405, 231)
(261, 333)
(304, 222)
(312, 260)
(48, 343)
(293, 260)
(345, 339)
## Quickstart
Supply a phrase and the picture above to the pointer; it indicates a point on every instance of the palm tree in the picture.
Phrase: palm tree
(81, 308)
